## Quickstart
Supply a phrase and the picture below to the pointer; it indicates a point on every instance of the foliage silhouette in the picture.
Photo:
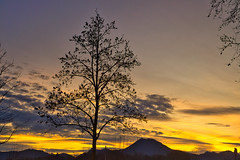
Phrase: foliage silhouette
(104, 95)
(7, 83)
(228, 12)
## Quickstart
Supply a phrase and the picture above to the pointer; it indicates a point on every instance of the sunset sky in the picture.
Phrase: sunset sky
(178, 46)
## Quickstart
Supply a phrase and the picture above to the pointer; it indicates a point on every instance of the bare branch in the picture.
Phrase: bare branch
(100, 65)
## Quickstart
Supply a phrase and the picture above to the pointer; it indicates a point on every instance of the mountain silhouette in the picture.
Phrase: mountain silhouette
(147, 147)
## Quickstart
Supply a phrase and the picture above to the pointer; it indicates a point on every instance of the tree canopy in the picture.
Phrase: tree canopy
(102, 92)
(228, 12)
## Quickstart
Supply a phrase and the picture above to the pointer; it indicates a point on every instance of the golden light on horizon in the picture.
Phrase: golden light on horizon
(55, 142)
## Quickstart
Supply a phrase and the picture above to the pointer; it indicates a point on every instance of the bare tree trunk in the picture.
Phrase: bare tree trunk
(94, 142)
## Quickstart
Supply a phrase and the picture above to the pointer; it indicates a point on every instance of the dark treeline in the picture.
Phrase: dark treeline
(119, 155)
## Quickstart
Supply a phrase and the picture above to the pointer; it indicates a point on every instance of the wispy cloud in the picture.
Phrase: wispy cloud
(219, 124)
(212, 111)
(185, 141)
(149, 132)
(39, 75)
(233, 144)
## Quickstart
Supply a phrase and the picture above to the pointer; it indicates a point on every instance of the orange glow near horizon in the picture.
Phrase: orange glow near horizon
(184, 132)
(72, 146)
(173, 138)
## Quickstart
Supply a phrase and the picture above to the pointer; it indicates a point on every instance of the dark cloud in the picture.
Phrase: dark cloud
(10, 146)
(212, 111)
(24, 98)
(38, 87)
(22, 84)
(233, 144)
(5, 132)
(39, 96)
(157, 133)
(219, 124)
(144, 131)
(78, 139)
(24, 88)
(37, 74)
(21, 87)
(148, 132)
(23, 91)
(156, 106)
(29, 87)
(186, 141)
(20, 103)
(19, 67)
(25, 119)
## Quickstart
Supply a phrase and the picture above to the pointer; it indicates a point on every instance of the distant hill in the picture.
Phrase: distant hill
(142, 149)
(31, 154)
(226, 155)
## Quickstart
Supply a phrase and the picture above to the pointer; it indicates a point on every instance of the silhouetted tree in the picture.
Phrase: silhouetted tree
(228, 12)
(104, 93)
(7, 83)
